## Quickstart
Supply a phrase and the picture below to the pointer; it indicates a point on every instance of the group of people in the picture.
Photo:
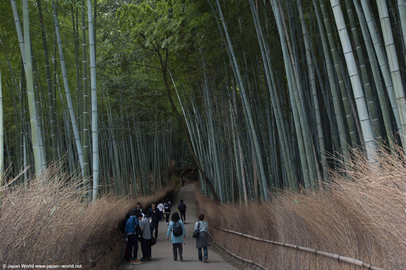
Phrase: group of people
(138, 229)
(142, 228)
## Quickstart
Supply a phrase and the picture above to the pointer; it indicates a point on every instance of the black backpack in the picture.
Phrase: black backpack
(167, 208)
(182, 207)
(177, 229)
(137, 230)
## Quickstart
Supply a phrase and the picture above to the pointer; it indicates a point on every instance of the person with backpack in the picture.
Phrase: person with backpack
(132, 228)
(176, 230)
(182, 210)
(202, 241)
(167, 211)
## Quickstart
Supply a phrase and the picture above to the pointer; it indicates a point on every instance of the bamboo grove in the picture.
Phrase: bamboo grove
(58, 112)
(258, 95)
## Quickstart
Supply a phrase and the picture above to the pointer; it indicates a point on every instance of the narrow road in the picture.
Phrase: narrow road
(162, 255)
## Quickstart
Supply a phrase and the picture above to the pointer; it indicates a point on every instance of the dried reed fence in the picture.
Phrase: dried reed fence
(48, 222)
(361, 214)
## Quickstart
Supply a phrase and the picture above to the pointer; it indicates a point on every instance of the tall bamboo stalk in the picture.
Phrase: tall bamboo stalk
(1, 136)
(393, 66)
(85, 116)
(93, 89)
(247, 107)
(30, 90)
(355, 81)
(67, 92)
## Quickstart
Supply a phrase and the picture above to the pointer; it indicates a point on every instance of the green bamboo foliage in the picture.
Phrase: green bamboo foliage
(264, 113)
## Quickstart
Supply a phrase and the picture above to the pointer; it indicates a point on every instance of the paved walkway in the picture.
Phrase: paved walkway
(162, 255)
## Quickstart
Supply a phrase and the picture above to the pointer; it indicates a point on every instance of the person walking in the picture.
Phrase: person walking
(146, 237)
(182, 210)
(167, 210)
(155, 215)
(130, 230)
(161, 207)
(176, 230)
(203, 240)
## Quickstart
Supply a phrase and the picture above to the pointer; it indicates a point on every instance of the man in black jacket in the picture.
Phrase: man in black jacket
(155, 215)
(182, 210)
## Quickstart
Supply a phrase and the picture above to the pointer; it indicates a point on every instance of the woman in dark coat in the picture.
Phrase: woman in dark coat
(203, 240)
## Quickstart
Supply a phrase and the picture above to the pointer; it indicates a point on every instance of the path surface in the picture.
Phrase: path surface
(162, 255)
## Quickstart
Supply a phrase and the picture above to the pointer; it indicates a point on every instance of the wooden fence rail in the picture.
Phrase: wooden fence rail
(337, 257)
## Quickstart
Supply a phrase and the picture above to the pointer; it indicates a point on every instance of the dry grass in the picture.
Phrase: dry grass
(49, 223)
(361, 215)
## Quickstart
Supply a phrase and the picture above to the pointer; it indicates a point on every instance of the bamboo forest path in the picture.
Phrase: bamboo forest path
(162, 255)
